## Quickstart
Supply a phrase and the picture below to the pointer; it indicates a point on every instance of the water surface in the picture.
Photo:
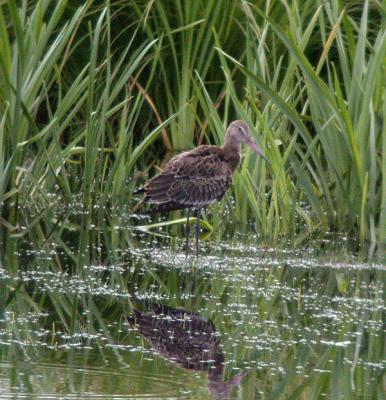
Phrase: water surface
(279, 322)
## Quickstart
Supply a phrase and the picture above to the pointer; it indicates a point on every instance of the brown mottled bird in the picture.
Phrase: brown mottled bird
(188, 340)
(199, 177)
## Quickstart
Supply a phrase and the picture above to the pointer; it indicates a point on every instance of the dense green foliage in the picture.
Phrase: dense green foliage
(89, 94)
(96, 95)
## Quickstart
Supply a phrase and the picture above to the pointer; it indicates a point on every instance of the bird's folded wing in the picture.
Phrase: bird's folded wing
(191, 181)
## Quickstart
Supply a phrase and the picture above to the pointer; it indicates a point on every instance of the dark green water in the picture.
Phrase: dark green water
(290, 324)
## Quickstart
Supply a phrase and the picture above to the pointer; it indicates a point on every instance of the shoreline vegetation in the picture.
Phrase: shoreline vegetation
(95, 97)
(91, 95)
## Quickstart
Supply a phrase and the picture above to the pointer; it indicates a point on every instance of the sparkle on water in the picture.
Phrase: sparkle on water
(290, 322)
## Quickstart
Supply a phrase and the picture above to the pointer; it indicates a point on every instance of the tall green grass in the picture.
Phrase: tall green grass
(335, 162)
(94, 97)
(85, 91)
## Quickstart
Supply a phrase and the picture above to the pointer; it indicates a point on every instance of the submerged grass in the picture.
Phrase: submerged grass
(300, 332)
(92, 94)
(85, 91)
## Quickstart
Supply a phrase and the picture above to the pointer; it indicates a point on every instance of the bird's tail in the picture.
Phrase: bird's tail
(165, 207)
(156, 208)
(140, 190)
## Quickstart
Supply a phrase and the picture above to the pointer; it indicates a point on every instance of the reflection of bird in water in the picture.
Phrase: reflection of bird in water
(198, 177)
(188, 340)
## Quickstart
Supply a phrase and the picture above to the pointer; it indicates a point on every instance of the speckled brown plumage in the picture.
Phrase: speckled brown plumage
(199, 177)
(188, 340)
(194, 178)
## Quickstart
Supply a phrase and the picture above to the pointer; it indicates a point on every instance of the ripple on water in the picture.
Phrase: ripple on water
(58, 381)
(270, 306)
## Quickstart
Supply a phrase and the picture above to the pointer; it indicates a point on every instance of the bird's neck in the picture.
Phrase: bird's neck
(231, 144)
(232, 153)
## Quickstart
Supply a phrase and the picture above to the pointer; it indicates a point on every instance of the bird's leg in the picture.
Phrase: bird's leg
(187, 231)
(198, 231)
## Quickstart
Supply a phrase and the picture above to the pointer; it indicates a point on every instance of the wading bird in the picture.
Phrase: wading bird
(198, 177)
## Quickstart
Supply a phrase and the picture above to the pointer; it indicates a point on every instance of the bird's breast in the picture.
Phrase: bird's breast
(233, 160)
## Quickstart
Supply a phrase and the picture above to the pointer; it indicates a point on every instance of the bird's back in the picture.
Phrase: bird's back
(193, 178)
(186, 338)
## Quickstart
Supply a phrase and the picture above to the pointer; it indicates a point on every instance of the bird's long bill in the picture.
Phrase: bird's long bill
(258, 150)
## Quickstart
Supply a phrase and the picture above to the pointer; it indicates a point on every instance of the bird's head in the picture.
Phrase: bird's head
(238, 131)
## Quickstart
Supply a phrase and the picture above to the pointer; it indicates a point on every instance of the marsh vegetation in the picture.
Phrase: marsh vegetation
(94, 97)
